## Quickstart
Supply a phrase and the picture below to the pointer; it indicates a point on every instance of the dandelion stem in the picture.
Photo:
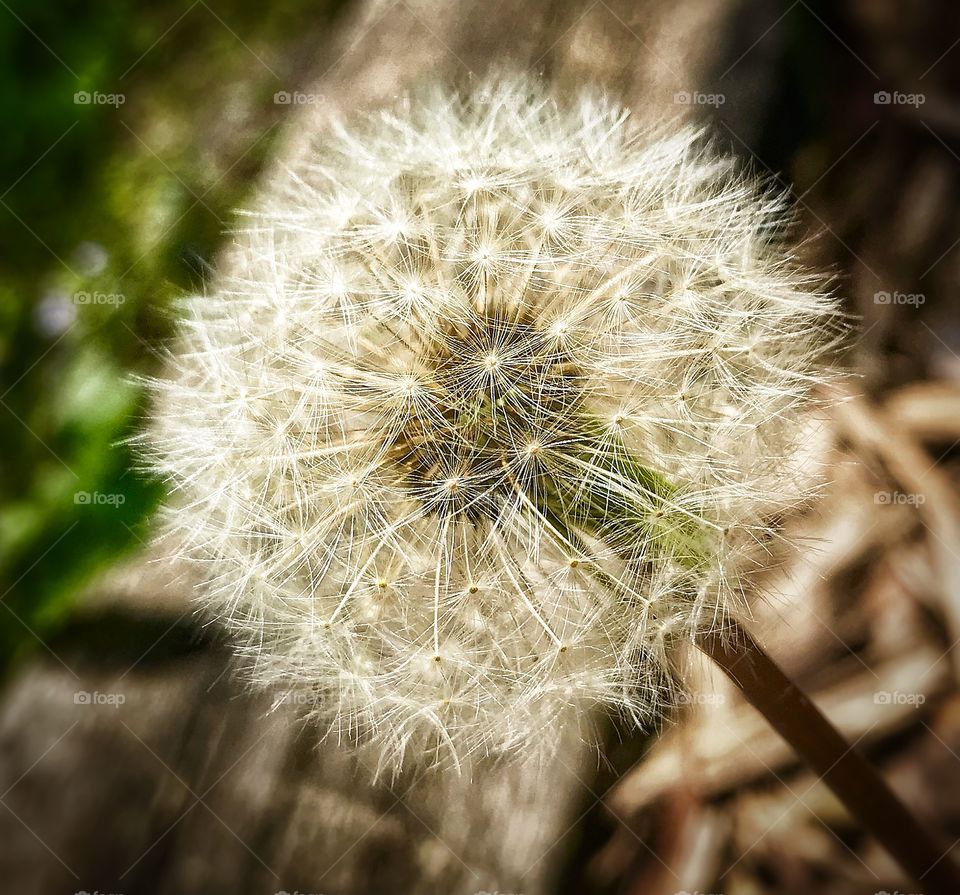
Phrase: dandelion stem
(853, 779)
(763, 683)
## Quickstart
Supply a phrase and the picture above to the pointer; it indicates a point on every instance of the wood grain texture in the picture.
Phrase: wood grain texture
(193, 786)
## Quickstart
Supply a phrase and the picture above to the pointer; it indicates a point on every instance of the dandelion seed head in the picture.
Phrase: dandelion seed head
(484, 413)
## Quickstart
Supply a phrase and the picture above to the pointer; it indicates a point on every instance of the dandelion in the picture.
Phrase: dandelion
(496, 402)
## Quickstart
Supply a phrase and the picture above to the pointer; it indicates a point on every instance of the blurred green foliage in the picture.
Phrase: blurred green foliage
(111, 209)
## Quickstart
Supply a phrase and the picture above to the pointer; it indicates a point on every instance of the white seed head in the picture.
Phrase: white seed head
(485, 412)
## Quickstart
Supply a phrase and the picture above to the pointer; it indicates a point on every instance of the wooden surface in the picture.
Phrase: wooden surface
(191, 785)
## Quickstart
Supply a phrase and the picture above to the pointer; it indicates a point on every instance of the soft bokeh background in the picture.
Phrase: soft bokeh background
(135, 130)
(111, 208)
